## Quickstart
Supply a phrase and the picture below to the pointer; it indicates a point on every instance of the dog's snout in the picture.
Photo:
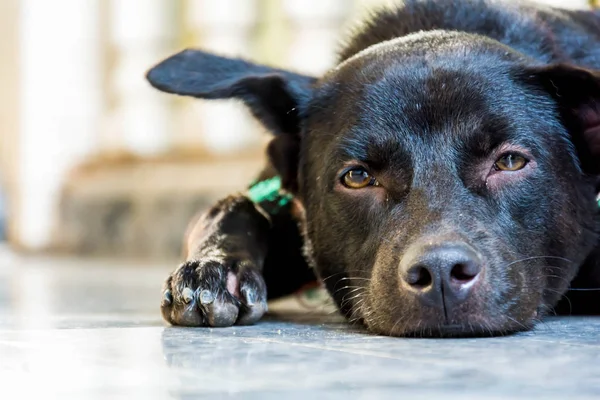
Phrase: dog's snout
(441, 275)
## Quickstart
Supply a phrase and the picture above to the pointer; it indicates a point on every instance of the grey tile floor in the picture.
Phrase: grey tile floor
(74, 329)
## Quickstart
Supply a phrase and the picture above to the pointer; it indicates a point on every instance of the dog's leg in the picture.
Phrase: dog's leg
(232, 252)
(220, 283)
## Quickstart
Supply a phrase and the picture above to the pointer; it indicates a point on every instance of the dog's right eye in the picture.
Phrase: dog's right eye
(358, 178)
(510, 162)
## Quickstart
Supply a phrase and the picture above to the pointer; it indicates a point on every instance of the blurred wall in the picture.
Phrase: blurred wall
(9, 99)
(73, 85)
(9, 95)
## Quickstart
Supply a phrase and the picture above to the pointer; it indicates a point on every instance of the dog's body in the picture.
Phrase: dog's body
(444, 175)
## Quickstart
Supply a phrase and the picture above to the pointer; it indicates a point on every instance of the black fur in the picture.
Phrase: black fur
(428, 97)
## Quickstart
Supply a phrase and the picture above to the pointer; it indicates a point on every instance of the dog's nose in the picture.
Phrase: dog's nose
(441, 275)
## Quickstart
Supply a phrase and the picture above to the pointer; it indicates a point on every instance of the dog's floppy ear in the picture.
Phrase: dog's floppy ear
(577, 93)
(275, 97)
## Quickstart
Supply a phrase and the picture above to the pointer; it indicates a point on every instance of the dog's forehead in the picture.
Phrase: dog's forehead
(424, 65)
(459, 48)
(401, 84)
(418, 43)
(402, 96)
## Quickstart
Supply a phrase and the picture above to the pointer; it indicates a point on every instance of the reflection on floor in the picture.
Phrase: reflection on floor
(74, 329)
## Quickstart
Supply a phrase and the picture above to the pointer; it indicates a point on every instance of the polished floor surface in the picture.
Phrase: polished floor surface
(72, 329)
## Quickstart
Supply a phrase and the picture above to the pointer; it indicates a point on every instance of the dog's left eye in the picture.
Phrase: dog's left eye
(358, 178)
(510, 162)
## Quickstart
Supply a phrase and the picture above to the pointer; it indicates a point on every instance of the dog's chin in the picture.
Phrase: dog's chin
(468, 327)
(465, 331)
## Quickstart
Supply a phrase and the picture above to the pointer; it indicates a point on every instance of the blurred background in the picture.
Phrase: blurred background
(95, 162)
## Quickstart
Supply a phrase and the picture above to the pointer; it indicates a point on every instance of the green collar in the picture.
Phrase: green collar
(270, 191)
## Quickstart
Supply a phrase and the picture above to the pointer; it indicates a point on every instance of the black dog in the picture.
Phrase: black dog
(443, 175)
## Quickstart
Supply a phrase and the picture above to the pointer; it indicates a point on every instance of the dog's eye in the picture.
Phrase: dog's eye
(510, 162)
(358, 178)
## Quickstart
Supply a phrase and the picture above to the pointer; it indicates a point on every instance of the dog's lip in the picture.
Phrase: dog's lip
(451, 326)
(446, 330)
(451, 331)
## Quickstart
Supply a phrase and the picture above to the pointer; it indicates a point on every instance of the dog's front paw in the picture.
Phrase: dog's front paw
(214, 293)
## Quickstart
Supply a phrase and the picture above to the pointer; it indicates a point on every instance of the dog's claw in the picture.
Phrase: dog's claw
(206, 297)
(250, 299)
(187, 294)
(167, 297)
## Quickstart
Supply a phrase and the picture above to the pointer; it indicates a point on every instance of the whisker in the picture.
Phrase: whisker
(331, 276)
(516, 322)
(344, 273)
(354, 289)
(397, 321)
(353, 278)
(346, 301)
(557, 277)
(537, 258)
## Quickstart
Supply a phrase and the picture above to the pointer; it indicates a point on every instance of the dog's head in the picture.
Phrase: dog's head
(448, 182)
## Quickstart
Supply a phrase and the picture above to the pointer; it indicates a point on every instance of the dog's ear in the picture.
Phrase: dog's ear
(577, 93)
(275, 97)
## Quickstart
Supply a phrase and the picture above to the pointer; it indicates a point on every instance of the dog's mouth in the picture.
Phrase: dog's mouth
(462, 331)
(431, 326)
